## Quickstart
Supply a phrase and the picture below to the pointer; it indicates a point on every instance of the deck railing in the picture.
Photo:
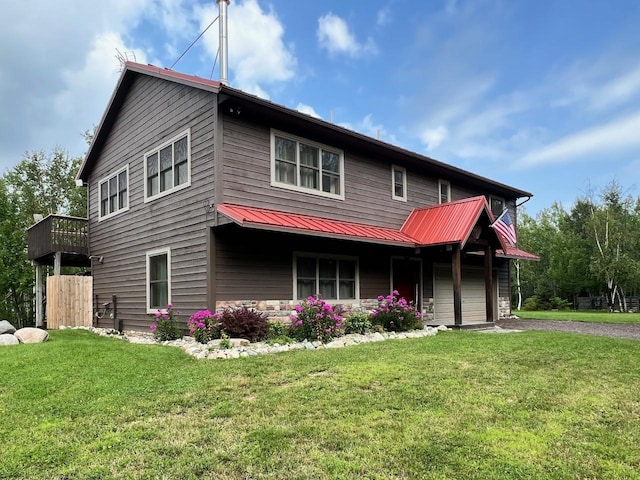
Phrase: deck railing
(58, 233)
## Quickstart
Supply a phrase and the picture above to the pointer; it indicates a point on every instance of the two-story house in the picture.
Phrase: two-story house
(201, 195)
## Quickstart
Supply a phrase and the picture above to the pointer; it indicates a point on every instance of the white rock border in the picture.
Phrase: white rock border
(242, 348)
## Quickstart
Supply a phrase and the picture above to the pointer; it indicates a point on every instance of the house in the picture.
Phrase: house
(202, 195)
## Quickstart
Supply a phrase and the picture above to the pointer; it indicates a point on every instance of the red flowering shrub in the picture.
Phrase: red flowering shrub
(244, 323)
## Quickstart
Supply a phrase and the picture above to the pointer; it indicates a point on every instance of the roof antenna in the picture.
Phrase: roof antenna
(223, 4)
(124, 58)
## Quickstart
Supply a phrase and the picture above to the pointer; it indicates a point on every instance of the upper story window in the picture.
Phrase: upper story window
(497, 206)
(114, 193)
(398, 183)
(167, 168)
(306, 166)
(333, 278)
(444, 191)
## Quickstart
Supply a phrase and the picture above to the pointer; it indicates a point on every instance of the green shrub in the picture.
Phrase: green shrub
(396, 314)
(358, 322)
(277, 329)
(244, 323)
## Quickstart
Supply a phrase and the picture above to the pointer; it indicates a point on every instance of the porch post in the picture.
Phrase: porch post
(488, 281)
(211, 269)
(39, 315)
(57, 263)
(456, 267)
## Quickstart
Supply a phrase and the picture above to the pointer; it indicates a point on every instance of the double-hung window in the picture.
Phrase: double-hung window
(114, 193)
(444, 191)
(330, 277)
(306, 166)
(158, 279)
(167, 168)
(398, 183)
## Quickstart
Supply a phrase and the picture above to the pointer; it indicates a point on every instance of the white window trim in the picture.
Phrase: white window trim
(153, 253)
(495, 197)
(440, 184)
(296, 188)
(329, 256)
(106, 179)
(404, 183)
(186, 132)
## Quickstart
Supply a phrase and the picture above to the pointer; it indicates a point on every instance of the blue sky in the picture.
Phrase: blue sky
(541, 95)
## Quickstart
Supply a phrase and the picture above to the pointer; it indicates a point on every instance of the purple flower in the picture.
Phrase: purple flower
(395, 292)
(380, 298)
(153, 327)
(299, 323)
(158, 314)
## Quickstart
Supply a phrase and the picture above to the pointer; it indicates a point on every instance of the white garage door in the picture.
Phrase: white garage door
(473, 295)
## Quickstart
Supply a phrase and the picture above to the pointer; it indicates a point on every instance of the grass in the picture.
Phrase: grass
(581, 316)
(466, 405)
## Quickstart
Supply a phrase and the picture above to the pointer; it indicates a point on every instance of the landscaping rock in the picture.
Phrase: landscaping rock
(8, 339)
(31, 335)
(6, 327)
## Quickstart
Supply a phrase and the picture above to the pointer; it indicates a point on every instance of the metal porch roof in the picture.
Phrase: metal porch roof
(446, 223)
(296, 223)
(516, 253)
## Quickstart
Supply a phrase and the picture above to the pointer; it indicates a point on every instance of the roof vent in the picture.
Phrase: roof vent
(223, 4)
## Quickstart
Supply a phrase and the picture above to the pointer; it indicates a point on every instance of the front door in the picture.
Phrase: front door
(406, 279)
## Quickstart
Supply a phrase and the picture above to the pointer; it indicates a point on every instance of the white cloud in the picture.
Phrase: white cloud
(601, 142)
(617, 91)
(334, 35)
(307, 109)
(433, 137)
(258, 55)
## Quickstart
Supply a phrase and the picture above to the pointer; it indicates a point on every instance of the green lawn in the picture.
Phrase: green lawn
(568, 315)
(461, 405)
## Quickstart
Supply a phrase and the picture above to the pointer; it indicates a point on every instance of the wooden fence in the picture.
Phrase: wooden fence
(69, 301)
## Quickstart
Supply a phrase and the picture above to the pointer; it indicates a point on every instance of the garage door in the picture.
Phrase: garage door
(473, 294)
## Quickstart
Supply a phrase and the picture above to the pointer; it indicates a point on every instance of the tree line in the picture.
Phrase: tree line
(42, 183)
(591, 250)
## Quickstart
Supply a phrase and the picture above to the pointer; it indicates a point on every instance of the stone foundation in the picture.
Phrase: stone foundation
(282, 309)
(504, 307)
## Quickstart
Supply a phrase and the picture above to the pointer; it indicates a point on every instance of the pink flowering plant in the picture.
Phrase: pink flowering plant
(395, 314)
(164, 326)
(204, 325)
(315, 319)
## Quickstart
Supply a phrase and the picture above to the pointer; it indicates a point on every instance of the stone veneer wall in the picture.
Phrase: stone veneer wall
(504, 307)
(282, 309)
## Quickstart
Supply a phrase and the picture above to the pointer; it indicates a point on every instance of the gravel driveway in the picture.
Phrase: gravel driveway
(619, 330)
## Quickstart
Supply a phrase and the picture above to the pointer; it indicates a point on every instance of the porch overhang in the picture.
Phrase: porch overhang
(459, 224)
(274, 220)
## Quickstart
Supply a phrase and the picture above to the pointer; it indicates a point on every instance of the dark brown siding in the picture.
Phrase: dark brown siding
(247, 181)
(257, 265)
(154, 111)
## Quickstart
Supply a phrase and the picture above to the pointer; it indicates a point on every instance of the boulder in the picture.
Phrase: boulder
(6, 327)
(8, 339)
(31, 335)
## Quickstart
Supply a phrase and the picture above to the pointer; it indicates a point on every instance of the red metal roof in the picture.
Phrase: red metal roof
(446, 223)
(171, 74)
(442, 224)
(294, 222)
(513, 252)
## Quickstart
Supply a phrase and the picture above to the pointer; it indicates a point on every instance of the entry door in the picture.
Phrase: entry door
(406, 279)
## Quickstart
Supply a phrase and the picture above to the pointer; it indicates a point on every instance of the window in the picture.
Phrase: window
(305, 166)
(330, 277)
(114, 193)
(399, 183)
(497, 206)
(167, 168)
(158, 280)
(444, 191)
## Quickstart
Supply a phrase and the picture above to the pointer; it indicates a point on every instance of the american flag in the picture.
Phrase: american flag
(504, 226)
